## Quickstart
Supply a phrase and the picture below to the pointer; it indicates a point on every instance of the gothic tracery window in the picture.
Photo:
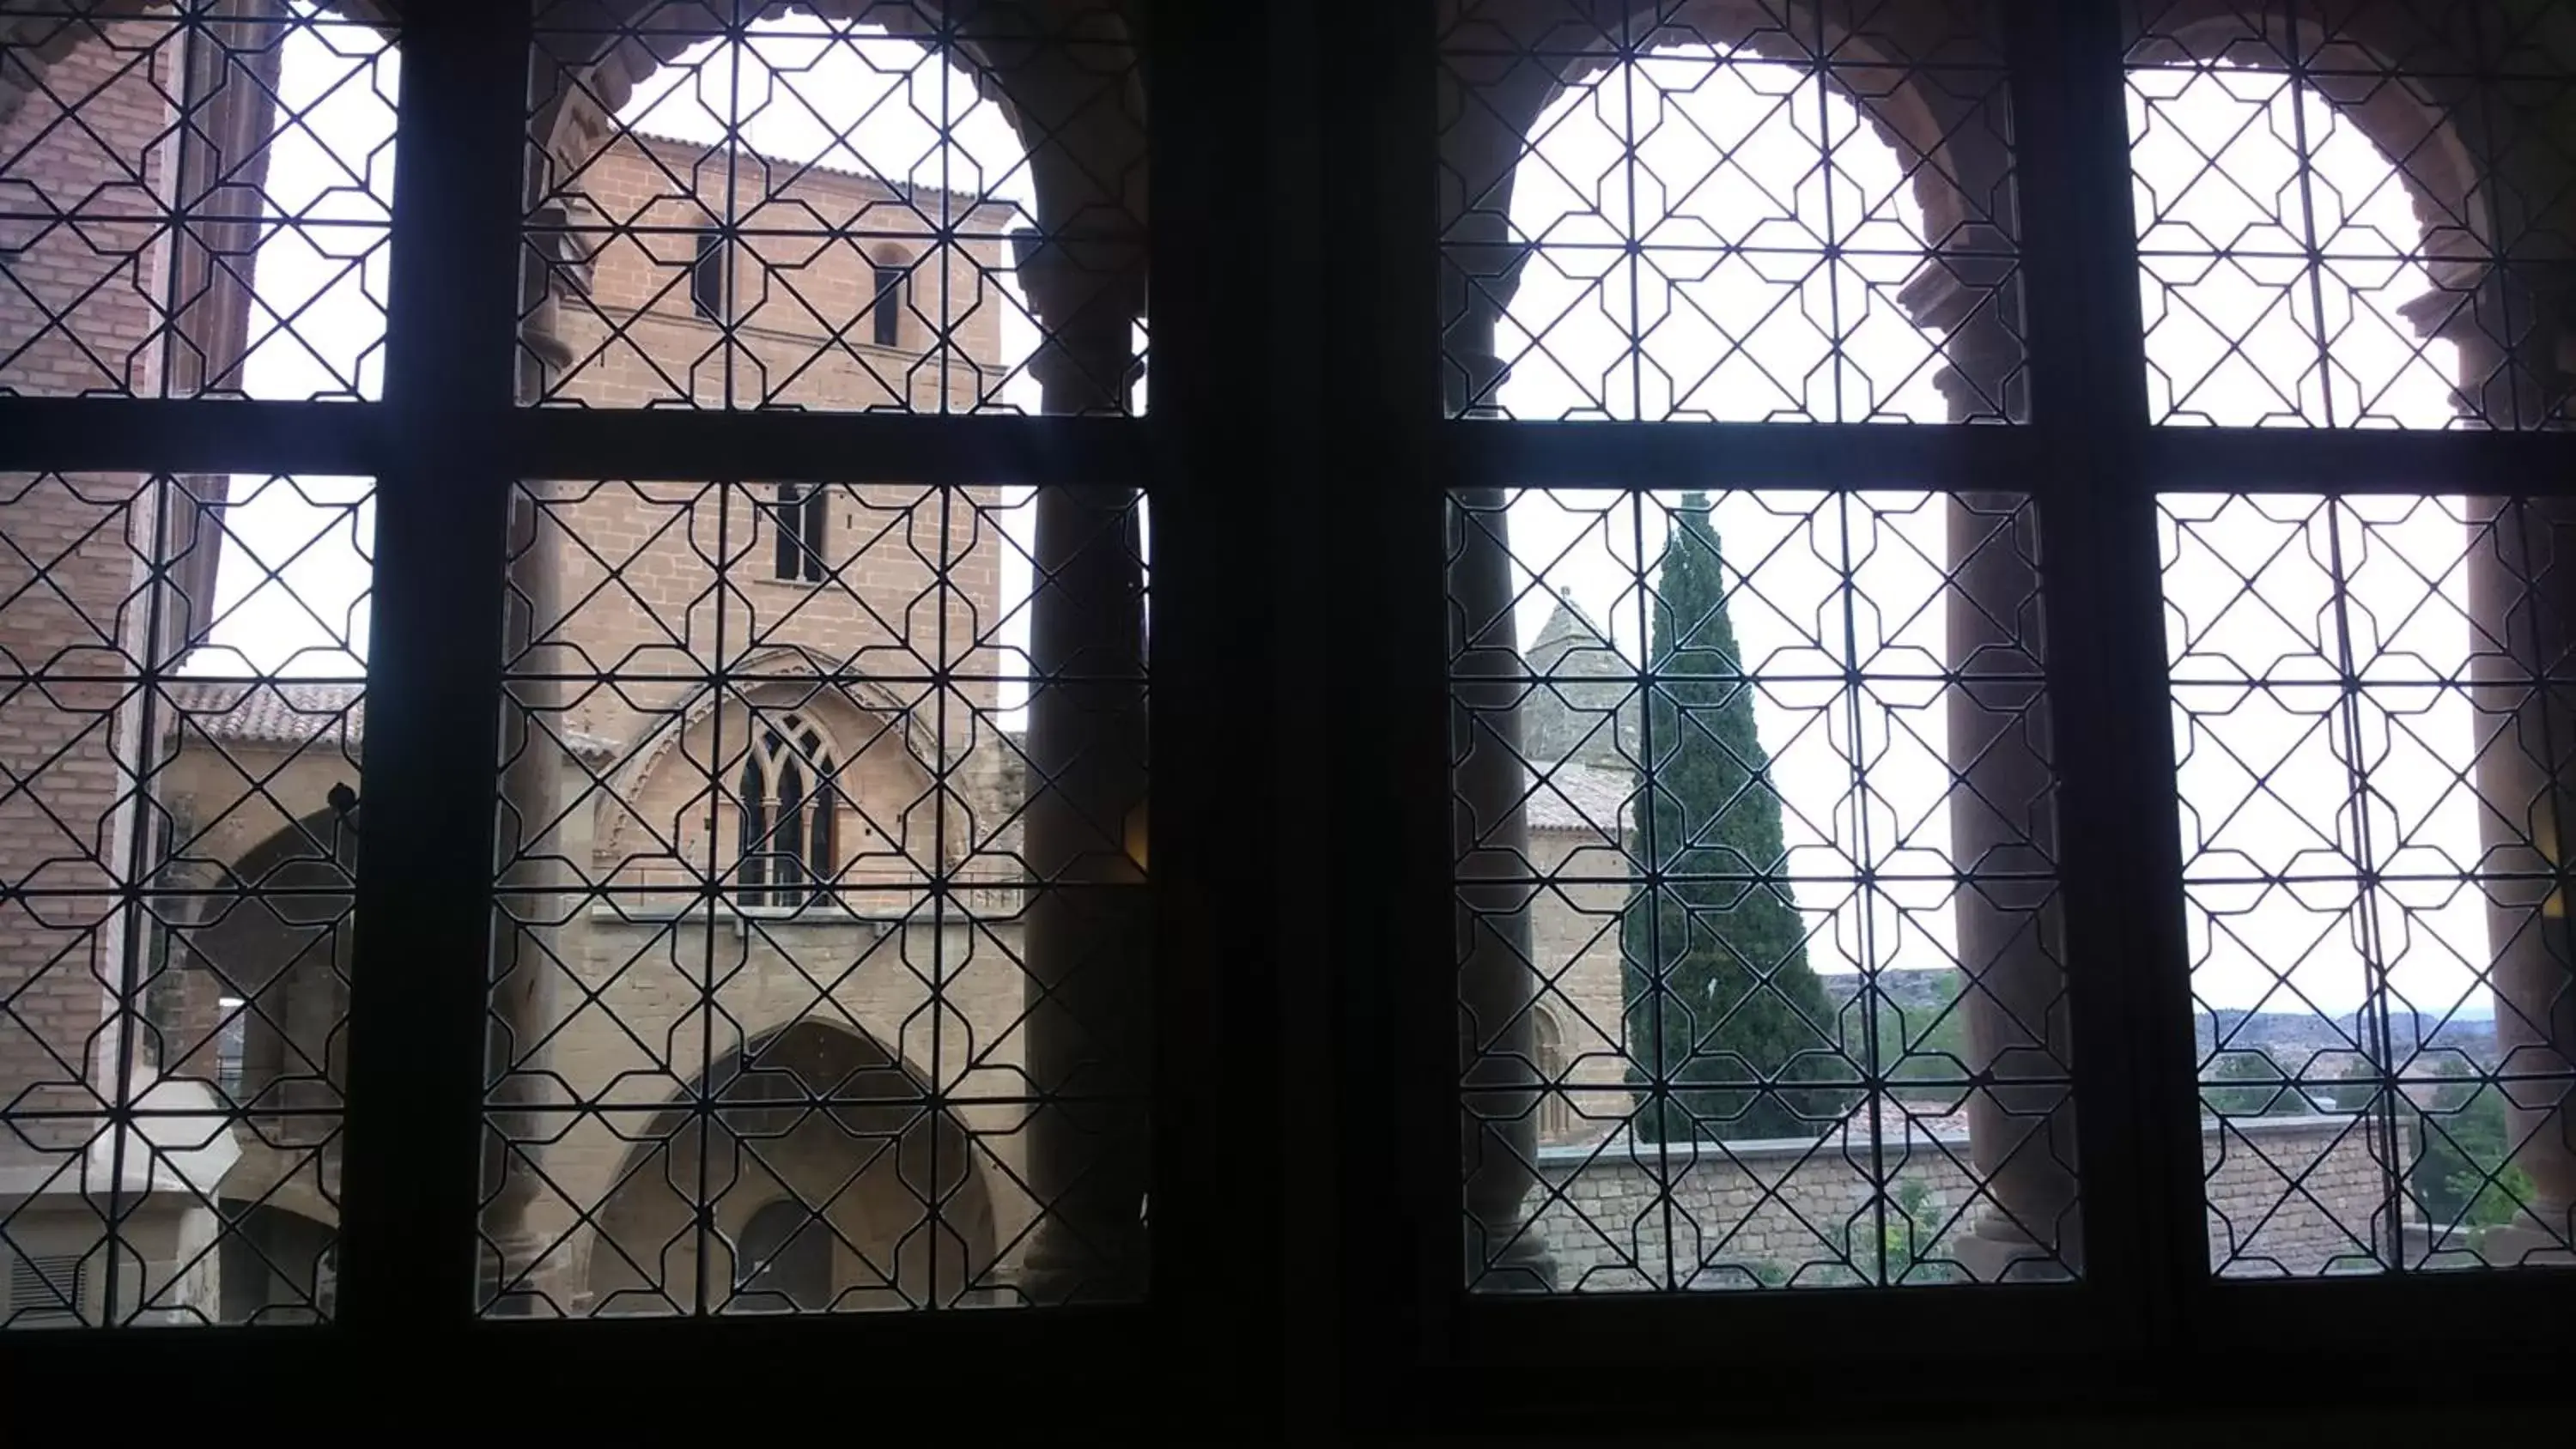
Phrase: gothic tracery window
(785, 844)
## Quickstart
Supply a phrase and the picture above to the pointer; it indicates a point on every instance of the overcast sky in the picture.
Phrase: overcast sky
(1730, 155)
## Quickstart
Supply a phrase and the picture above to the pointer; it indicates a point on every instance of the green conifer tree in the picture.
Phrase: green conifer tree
(1718, 986)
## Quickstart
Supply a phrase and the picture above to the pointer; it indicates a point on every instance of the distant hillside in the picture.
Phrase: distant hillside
(2293, 1038)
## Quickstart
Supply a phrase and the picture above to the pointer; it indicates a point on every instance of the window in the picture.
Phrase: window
(1754, 646)
(710, 280)
(800, 514)
(788, 801)
(885, 313)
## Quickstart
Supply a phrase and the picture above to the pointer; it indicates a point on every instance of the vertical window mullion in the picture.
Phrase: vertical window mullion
(410, 1181)
(2127, 957)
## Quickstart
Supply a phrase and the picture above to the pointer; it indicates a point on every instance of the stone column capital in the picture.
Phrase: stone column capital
(2509, 322)
(1086, 291)
(1970, 299)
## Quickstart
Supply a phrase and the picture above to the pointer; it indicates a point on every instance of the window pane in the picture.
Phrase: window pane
(195, 206)
(1760, 977)
(179, 824)
(825, 894)
(1768, 218)
(823, 151)
(2371, 712)
(2353, 222)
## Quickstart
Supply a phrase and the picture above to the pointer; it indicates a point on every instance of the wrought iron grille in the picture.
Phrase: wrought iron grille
(180, 792)
(834, 209)
(2370, 723)
(2347, 216)
(155, 165)
(1747, 836)
(1773, 214)
(818, 940)
(903, 1021)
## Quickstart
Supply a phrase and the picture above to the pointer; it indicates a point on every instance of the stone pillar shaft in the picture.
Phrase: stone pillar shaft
(1496, 981)
(526, 942)
(1088, 918)
(2003, 828)
(2522, 609)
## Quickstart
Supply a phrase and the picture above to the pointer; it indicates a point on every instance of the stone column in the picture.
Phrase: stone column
(1088, 920)
(1497, 1032)
(527, 945)
(2522, 596)
(2002, 823)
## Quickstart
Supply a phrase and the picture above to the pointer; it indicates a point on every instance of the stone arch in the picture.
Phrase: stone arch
(820, 1115)
(1087, 160)
(1086, 166)
(273, 930)
(2414, 123)
(1960, 169)
(2497, 218)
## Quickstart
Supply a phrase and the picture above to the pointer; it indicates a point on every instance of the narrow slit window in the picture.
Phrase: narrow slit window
(707, 290)
(802, 514)
(886, 312)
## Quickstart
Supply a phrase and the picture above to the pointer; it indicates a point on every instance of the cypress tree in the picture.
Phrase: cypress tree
(1718, 986)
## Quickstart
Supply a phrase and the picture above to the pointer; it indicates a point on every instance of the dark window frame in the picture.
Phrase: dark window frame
(1303, 163)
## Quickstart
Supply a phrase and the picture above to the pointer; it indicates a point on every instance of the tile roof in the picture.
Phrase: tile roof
(1573, 796)
(286, 714)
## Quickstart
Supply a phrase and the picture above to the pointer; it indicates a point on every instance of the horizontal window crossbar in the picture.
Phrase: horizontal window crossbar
(1840, 457)
(578, 443)
(176, 436)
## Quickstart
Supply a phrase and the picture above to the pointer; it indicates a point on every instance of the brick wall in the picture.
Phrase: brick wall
(800, 291)
(78, 313)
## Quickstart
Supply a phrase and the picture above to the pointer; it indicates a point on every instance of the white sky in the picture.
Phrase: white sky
(1776, 198)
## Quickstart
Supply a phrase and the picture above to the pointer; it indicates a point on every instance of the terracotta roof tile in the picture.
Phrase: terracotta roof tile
(285, 714)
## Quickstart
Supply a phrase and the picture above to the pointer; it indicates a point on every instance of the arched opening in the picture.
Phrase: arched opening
(868, 187)
(275, 933)
(810, 1171)
(2369, 747)
(1727, 228)
(783, 1261)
